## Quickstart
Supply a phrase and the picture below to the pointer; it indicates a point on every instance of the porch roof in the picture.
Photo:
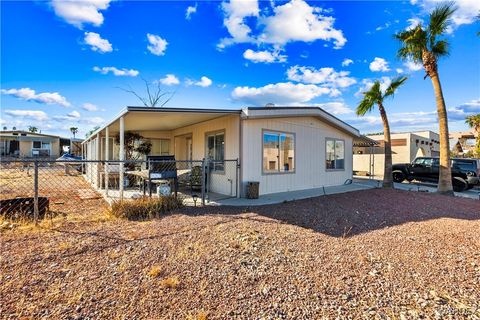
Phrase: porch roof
(162, 119)
(165, 119)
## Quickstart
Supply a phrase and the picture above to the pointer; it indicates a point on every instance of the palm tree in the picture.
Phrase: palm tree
(32, 129)
(74, 131)
(422, 45)
(474, 123)
(376, 96)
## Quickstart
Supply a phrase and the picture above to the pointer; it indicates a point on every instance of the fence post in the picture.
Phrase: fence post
(203, 181)
(208, 183)
(35, 187)
(237, 177)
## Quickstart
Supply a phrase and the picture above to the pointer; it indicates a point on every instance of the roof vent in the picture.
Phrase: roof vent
(270, 105)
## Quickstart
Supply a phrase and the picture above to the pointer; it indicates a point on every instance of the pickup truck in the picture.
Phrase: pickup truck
(465, 172)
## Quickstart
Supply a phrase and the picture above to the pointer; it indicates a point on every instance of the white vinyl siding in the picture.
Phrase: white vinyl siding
(309, 159)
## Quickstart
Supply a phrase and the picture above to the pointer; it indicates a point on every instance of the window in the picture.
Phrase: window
(41, 145)
(278, 152)
(160, 147)
(423, 161)
(335, 154)
(216, 150)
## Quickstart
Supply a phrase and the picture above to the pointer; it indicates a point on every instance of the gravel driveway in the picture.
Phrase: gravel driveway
(372, 254)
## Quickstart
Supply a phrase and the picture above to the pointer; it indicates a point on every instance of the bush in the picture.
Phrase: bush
(144, 208)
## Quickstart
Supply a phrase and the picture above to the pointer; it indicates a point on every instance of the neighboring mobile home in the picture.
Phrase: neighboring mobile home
(283, 148)
(24, 144)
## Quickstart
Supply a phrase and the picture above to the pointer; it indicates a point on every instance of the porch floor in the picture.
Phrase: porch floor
(291, 195)
(212, 199)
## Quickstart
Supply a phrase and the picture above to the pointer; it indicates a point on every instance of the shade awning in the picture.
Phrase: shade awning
(364, 141)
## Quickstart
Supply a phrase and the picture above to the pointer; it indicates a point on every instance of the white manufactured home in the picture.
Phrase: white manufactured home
(282, 148)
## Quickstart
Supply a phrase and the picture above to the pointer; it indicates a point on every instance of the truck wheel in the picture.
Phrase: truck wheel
(459, 184)
(398, 176)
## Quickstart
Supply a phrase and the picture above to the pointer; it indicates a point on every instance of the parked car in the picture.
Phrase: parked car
(465, 172)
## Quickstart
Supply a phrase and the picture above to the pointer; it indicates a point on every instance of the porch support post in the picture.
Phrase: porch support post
(122, 154)
(106, 160)
(97, 157)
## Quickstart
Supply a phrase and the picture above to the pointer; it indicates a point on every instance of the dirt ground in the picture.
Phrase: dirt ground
(68, 193)
(373, 254)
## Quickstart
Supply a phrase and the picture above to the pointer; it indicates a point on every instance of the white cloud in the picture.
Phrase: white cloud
(347, 62)
(97, 43)
(413, 22)
(235, 13)
(264, 56)
(473, 106)
(326, 76)
(117, 72)
(412, 66)
(92, 121)
(336, 108)
(368, 83)
(293, 21)
(190, 10)
(74, 114)
(157, 45)
(204, 82)
(386, 25)
(89, 107)
(418, 120)
(297, 21)
(399, 70)
(30, 114)
(44, 97)
(379, 64)
(81, 12)
(466, 13)
(280, 93)
(169, 80)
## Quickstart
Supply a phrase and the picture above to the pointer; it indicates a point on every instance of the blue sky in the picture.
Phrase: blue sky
(62, 62)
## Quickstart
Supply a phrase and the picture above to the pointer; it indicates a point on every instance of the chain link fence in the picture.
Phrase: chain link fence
(38, 188)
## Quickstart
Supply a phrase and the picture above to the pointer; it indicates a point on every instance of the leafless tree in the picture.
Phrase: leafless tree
(154, 94)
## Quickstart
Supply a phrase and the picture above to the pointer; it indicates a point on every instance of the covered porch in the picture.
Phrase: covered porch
(182, 139)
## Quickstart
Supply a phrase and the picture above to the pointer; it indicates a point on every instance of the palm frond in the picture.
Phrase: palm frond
(397, 82)
(440, 48)
(473, 121)
(370, 97)
(440, 19)
(412, 42)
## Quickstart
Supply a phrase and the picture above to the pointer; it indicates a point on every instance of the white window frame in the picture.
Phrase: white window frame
(217, 167)
(294, 162)
(335, 140)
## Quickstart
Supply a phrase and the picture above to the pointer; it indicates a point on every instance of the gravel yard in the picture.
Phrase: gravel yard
(373, 254)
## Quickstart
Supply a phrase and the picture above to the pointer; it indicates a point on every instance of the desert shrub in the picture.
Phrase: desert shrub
(154, 271)
(144, 208)
(170, 283)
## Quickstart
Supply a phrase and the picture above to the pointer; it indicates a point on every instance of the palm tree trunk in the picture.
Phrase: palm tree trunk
(387, 173)
(445, 176)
